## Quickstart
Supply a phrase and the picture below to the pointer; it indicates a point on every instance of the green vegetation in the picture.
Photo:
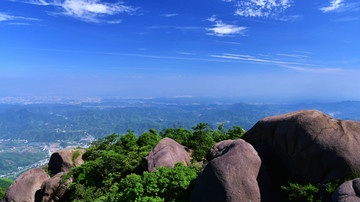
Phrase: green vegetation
(114, 166)
(310, 192)
(75, 155)
(297, 192)
(4, 184)
(201, 138)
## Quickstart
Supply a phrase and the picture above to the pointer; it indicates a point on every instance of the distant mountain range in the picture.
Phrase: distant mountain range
(47, 122)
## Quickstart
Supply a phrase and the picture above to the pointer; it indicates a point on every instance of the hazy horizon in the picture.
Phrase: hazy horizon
(261, 51)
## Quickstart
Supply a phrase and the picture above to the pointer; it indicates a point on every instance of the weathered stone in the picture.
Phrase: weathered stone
(307, 146)
(53, 189)
(230, 176)
(26, 186)
(61, 161)
(167, 153)
(349, 191)
(218, 148)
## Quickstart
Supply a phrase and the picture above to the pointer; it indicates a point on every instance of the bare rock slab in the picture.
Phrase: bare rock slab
(307, 146)
(167, 153)
(26, 186)
(230, 176)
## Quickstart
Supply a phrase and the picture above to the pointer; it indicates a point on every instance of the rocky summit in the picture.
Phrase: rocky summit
(307, 146)
(301, 147)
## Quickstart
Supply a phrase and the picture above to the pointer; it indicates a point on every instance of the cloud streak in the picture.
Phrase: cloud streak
(16, 20)
(285, 64)
(250, 58)
(320, 70)
(168, 15)
(86, 10)
(334, 4)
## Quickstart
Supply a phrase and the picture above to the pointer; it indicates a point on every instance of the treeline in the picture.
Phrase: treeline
(114, 166)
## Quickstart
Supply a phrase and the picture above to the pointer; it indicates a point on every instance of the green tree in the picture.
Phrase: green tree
(149, 139)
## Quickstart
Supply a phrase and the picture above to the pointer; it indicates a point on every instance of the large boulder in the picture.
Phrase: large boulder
(230, 176)
(63, 160)
(218, 148)
(307, 146)
(167, 153)
(54, 189)
(26, 186)
(349, 191)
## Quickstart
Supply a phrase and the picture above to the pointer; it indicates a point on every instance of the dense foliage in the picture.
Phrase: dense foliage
(114, 166)
(4, 184)
(318, 193)
(201, 138)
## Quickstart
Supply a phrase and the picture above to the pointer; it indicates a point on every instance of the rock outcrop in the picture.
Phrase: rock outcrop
(62, 161)
(36, 184)
(26, 186)
(349, 191)
(54, 189)
(307, 146)
(167, 153)
(230, 176)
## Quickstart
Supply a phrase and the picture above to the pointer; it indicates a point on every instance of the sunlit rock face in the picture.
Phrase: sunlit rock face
(26, 186)
(307, 146)
(230, 176)
(167, 153)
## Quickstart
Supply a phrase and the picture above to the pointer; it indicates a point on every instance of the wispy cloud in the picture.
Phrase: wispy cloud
(168, 15)
(290, 18)
(222, 29)
(315, 70)
(253, 59)
(303, 67)
(16, 20)
(86, 10)
(183, 53)
(260, 8)
(292, 55)
(334, 4)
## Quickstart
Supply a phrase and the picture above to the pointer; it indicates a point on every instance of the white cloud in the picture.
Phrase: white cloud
(86, 10)
(114, 21)
(318, 70)
(4, 17)
(183, 53)
(222, 29)
(250, 58)
(285, 64)
(170, 15)
(260, 8)
(334, 4)
(16, 20)
(292, 55)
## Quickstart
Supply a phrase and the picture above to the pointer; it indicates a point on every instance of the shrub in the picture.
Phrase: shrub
(75, 155)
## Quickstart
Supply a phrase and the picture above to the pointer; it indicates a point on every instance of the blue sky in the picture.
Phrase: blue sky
(263, 49)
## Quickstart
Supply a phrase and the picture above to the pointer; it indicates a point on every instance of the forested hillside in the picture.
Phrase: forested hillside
(46, 123)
